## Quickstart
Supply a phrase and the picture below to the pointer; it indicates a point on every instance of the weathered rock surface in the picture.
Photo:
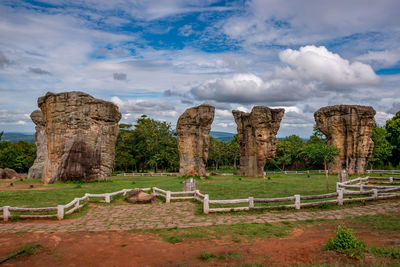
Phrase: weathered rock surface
(349, 128)
(139, 196)
(189, 185)
(8, 173)
(257, 138)
(36, 171)
(193, 130)
(81, 134)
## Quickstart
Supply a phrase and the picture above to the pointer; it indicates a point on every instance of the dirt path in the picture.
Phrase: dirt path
(304, 246)
(181, 215)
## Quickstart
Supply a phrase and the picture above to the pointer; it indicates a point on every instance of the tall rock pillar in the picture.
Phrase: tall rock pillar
(349, 128)
(193, 130)
(257, 138)
(36, 171)
(81, 133)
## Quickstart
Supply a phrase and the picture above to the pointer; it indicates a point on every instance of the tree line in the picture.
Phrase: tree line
(152, 145)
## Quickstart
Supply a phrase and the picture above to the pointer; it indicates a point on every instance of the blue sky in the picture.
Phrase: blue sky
(160, 57)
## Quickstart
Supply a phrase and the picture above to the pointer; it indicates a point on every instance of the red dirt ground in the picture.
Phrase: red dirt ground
(303, 246)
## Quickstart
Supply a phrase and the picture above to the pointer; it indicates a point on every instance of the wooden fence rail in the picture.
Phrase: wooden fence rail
(375, 192)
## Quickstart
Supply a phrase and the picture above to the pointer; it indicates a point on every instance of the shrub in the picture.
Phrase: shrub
(345, 242)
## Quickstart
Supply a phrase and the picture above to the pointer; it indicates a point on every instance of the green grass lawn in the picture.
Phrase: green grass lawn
(219, 187)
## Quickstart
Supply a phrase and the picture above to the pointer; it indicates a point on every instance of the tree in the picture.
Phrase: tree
(18, 156)
(321, 154)
(151, 144)
(393, 136)
(234, 150)
(1, 135)
(288, 151)
(382, 147)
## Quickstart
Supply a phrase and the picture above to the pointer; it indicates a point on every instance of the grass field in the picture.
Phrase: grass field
(218, 187)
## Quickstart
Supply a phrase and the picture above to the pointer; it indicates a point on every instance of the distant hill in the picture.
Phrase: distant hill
(222, 136)
(15, 137)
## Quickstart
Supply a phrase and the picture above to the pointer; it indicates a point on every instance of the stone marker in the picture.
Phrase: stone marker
(349, 128)
(189, 185)
(139, 196)
(36, 171)
(257, 138)
(193, 130)
(342, 176)
(81, 134)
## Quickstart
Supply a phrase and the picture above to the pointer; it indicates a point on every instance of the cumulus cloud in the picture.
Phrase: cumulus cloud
(39, 71)
(120, 76)
(137, 107)
(313, 63)
(186, 30)
(394, 108)
(310, 71)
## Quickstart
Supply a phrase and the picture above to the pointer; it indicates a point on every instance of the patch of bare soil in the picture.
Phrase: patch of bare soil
(304, 246)
(18, 186)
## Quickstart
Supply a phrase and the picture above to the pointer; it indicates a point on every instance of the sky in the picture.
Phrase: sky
(159, 58)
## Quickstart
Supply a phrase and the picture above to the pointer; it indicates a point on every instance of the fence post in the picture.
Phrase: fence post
(206, 204)
(340, 197)
(154, 191)
(60, 212)
(6, 213)
(375, 193)
(196, 194)
(361, 188)
(390, 179)
(77, 203)
(168, 198)
(107, 198)
(251, 202)
(87, 195)
(297, 202)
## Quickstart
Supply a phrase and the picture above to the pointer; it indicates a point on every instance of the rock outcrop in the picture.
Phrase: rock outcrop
(8, 173)
(139, 196)
(257, 138)
(81, 133)
(193, 130)
(349, 128)
(36, 171)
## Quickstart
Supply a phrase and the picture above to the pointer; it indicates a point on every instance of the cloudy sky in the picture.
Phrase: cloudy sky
(160, 57)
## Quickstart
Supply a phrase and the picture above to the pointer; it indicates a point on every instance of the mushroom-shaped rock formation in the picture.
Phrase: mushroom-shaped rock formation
(349, 128)
(193, 130)
(81, 133)
(257, 138)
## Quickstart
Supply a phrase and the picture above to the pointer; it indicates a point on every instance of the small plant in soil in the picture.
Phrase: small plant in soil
(345, 242)
(207, 256)
(382, 252)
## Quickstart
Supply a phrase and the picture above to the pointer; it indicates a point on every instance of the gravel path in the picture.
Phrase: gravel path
(181, 215)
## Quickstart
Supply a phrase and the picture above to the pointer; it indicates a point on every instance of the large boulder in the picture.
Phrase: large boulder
(81, 132)
(193, 130)
(139, 196)
(36, 171)
(257, 138)
(8, 173)
(349, 128)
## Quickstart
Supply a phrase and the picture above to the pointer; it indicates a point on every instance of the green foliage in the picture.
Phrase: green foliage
(207, 256)
(383, 252)
(382, 147)
(18, 156)
(223, 153)
(393, 136)
(151, 144)
(345, 242)
(288, 152)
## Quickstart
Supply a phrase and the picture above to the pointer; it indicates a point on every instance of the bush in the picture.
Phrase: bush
(345, 242)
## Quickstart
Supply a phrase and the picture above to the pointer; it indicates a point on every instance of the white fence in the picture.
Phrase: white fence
(371, 192)
(148, 174)
(384, 171)
(61, 210)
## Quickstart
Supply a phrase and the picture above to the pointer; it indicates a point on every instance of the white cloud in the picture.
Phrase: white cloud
(153, 107)
(311, 71)
(386, 58)
(318, 64)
